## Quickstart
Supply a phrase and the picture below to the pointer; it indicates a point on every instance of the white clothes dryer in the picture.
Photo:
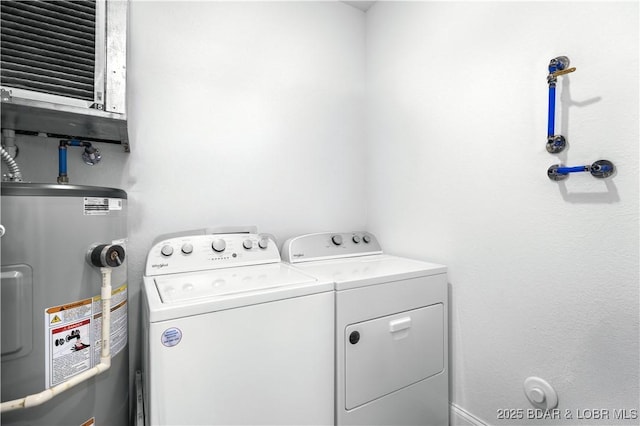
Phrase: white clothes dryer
(232, 336)
(391, 329)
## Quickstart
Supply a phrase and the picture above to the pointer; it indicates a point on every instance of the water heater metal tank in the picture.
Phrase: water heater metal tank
(51, 308)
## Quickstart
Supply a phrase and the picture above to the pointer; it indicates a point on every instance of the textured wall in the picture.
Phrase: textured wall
(543, 275)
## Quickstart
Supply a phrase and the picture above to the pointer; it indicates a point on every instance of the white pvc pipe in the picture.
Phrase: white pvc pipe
(105, 357)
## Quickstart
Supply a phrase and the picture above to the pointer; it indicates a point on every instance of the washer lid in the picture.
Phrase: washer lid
(369, 270)
(227, 282)
(188, 294)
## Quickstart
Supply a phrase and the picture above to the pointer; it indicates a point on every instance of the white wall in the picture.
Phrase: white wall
(239, 114)
(245, 113)
(543, 275)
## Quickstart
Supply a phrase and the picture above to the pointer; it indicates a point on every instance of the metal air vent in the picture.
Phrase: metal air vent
(49, 47)
(63, 68)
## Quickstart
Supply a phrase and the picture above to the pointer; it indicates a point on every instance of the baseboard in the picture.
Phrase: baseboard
(461, 417)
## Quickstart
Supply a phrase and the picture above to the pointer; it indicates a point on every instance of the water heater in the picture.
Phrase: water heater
(51, 303)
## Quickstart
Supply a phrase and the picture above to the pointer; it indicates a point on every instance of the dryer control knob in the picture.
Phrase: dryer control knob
(354, 337)
(366, 239)
(356, 239)
(218, 245)
(166, 250)
(248, 244)
(337, 239)
(263, 243)
(187, 248)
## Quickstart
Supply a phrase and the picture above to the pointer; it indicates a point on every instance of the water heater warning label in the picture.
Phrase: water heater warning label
(73, 335)
(101, 206)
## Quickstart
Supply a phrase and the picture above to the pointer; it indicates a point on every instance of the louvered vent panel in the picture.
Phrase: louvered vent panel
(49, 46)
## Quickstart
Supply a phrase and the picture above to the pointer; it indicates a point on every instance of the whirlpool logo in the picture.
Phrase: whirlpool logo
(159, 265)
(298, 254)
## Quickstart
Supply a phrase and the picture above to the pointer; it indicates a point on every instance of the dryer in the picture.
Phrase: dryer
(234, 336)
(391, 329)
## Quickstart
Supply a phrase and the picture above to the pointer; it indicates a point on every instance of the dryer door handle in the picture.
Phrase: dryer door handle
(399, 324)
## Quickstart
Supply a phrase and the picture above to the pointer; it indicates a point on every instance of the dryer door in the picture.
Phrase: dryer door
(386, 354)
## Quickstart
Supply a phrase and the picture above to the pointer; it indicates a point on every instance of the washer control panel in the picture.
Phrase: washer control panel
(329, 245)
(190, 253)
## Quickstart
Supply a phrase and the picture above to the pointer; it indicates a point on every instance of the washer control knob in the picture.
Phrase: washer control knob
(354, 337)
(187, 248)
(166, 250)
(366, 238)
(218, 245)
(263, 243)
(356, 239)
(337, 240)
(248, 244)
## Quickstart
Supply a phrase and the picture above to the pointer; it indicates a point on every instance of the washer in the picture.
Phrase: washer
(391, 329)
(234, 336)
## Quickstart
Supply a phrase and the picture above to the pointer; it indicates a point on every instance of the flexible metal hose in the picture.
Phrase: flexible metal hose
(13, 166)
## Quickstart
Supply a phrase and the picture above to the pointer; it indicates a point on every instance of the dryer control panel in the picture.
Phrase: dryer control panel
(190, 253)
(329, 245)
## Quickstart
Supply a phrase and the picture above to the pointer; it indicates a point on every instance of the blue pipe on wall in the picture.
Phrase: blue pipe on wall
(567, 170)
(91, 156)
(598, 169)
(554, 66)
(601, 168)
(62, 163)
(552, 111)
(557, 66)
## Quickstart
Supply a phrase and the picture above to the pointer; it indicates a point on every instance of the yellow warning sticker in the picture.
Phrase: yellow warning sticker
(69, 306)
(90, 422)
(73, 334)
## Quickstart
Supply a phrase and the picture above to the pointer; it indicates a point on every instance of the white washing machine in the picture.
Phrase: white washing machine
(391, 329)
(234, 336)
